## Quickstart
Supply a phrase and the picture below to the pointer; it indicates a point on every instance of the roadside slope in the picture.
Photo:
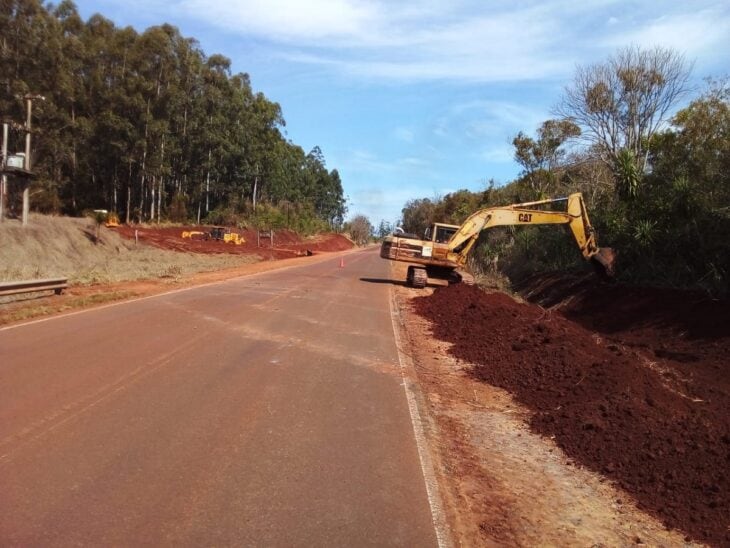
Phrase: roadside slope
(120, 266)
(65, 246)
(644, 405)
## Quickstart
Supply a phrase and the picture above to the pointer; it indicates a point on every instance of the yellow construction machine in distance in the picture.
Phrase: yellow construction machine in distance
(217, 233)
(112, 220)
(225, 234)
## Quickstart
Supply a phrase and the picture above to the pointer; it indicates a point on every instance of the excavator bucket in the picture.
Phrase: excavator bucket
(604, 262)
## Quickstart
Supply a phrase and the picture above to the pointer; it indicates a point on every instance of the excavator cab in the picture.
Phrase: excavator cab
(218, 232)
(444, 233)
(440, 233)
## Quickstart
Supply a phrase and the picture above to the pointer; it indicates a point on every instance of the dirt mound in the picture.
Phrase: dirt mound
(649, 413)
(286, 242)
(693, 314)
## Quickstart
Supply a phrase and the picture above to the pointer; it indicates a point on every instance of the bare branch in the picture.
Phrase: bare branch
(621, 103)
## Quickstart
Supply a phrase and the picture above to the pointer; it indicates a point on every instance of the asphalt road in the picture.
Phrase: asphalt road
(265, 410)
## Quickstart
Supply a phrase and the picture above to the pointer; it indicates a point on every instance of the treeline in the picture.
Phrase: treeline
(149, 126)
(659, 193)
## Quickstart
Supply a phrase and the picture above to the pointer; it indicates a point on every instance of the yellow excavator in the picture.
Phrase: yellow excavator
(112, 220)
(443, 252)
(216, 233)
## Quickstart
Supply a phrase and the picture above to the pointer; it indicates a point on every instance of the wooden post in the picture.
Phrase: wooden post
(28, 165)
(27, 162)
(266, 234)
(4, 179)
(29, 104)
(26, 205)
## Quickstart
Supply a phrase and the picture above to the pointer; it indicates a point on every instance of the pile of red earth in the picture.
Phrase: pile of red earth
(637, 391)
(286, 242)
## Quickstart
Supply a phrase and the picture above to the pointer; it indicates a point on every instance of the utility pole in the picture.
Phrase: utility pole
(4, 178)
(26, 191)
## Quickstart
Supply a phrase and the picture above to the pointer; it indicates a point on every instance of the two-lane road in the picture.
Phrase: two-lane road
(265, 410)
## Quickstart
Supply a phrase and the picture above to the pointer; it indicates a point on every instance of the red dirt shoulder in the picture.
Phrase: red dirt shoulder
(631, 405)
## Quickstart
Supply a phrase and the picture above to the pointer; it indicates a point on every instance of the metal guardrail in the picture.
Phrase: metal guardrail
(56, 285)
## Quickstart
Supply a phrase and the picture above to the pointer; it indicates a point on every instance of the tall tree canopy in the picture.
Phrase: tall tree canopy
(147, 124)
(539, 157)
(622, 103)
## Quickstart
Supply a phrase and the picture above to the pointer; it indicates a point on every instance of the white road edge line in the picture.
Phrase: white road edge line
(427, 466)
(127, 301)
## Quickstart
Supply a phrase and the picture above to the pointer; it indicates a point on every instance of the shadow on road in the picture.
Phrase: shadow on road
(383, 281)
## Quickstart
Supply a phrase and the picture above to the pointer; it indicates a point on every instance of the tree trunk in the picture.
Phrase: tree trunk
(141, 192)
(255, 187)
(159, 187)
(144, 160)
(26, 205)
(207, 186)
(159, 199)
(152, 201)
(129, 201)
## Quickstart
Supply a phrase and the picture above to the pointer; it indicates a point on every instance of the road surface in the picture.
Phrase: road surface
(265, 410)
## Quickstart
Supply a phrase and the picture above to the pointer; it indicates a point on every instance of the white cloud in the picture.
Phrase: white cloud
(404, 41)
(458, 40)
(489, 123)
(500, 114)
(383, 204)
(413, 162)
(365, 163)
(287, 19)
(403, 134)
(503, 154)
(690, 32)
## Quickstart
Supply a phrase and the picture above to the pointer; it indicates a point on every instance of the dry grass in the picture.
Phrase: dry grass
(64, 247)
(30, 310)
(489, 278)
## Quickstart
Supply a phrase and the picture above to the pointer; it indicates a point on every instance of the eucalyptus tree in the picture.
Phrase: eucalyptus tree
(137, 123)
(262, 133)
(540, 157)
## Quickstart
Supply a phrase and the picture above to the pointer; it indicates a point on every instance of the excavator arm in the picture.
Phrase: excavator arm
(575, 217)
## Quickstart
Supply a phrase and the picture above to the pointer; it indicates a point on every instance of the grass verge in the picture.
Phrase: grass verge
(28, 311)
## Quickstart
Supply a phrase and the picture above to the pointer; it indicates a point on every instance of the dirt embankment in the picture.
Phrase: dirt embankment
(631, 383)
(68, 247)
(112, 264)
(286, 243)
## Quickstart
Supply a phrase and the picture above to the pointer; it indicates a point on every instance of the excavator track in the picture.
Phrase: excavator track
(417, 277)
(462, 276)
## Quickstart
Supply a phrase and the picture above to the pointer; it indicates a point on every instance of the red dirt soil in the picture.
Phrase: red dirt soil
(632, 383)
(286, 242)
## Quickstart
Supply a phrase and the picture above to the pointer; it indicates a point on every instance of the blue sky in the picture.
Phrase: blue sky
(413, 99)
